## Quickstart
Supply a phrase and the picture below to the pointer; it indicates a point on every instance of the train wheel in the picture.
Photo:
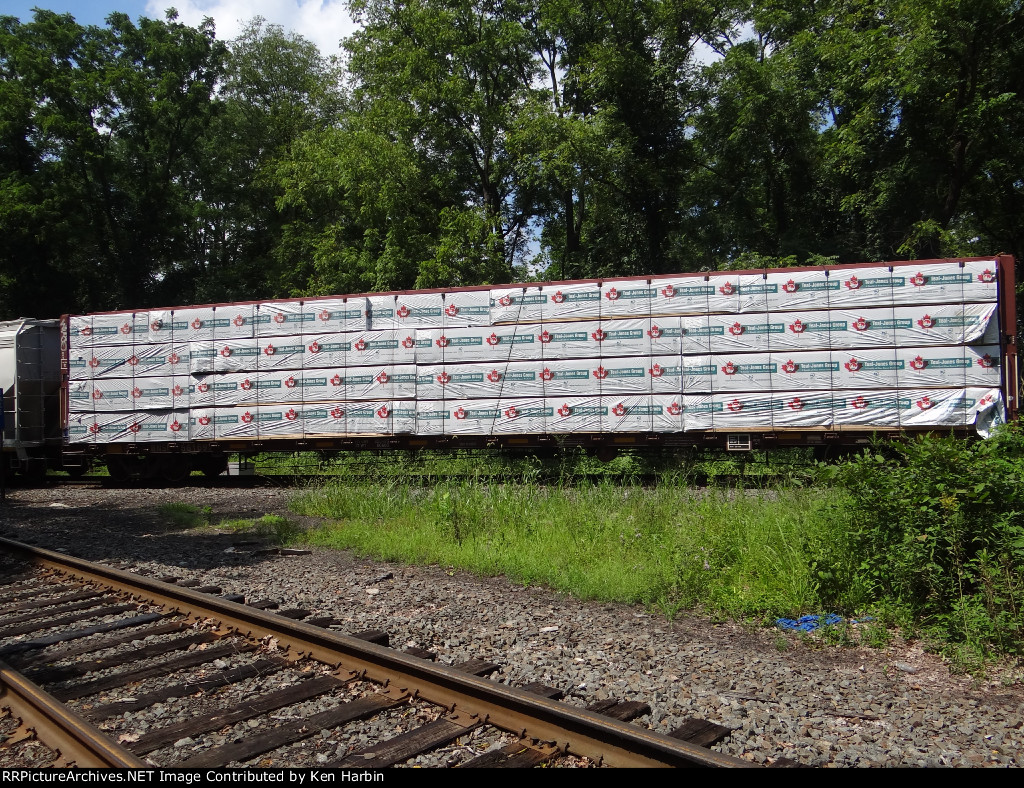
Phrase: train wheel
(119, 468)
(174, 468)
(212, 465)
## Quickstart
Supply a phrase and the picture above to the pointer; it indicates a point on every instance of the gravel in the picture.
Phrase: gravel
(783, 696)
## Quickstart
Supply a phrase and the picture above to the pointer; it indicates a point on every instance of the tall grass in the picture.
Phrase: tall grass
(741, 552)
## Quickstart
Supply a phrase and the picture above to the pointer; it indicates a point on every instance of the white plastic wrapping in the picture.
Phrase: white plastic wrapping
(700, 374)
(570, 340)
(868, 409)
(665, 374)
(375, 348)
(754, 291)
(938, 408)
(624, 337)
(744, 372)
(696, 334)
(418, 310)
(486, 344)
(982, 282)
(571, 301)
(575, 414)
(463, 308)
(380, 311)
(983, 367)
(326, 351)
(432, 417)
(743, 333)
(517, 305)
(943, 324)
(865, 286)
(627, 298)
(937, 367)
(929, 283)
(989, 412)
(569, 377)
(121, 328)
(282, 319)
(88, 363)
(724, 293)
(682, 295)
(335, 316)
(804, 330)
(665, 335)
(872, 368)
(699, 411)
(623, 375)
(802, 409)
(667, 413)
(628, 413)
(800, 290)
(806, 371)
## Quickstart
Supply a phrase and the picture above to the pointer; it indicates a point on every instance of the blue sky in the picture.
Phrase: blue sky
(325, 22)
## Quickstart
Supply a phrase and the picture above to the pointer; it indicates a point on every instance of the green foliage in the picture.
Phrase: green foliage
(271, 527)
(185, 515)
(936, 530)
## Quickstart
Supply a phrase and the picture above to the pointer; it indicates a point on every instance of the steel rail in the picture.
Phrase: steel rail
(574, 731)
(75, 740)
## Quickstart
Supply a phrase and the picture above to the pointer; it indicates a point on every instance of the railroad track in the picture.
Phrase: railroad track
(86, 646)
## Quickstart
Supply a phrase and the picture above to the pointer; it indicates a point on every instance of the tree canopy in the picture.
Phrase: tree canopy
(460, 142)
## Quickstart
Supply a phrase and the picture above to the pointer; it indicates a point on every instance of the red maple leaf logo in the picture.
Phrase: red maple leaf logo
(383, 412)
(291, 415)
(790, 367)
(226, 351)
(612, 294)
(360, 344)
(599, 335)
(289, 383)
(383, 378)
(197, 324)
(986, 361)
(94, 428)
(860, 324)
(408, 342)
(796, 404)
(94, 362)
(655, 332)
(791, 286)
(511, 413)
(505, 301)
(136, 392)
(859, 403)
(925, 403)
(926, 322)
(853, 283)
(918, 363)
(97, 394)
(247, 417)
(175, 426)
(134, 427)
(730, 368)
(314, 348)
(544, 337)
(494, 376)
(324, 315)
(451, 310)
(337, 380)
(442, 341)
(798, 326)
(546, 374)
(668, 291)
(619, 410)
(735, 406)
(403, 311)
(564, 411)
(986, 277)
(493, 339)
(460, 413)
(337, 413)
(657, 371)
(133, 360)
(853, 365)
(239, 321)
(558, 297)
(727, 289)
(736, 329)
(85, 332)
(177, 391)
(245, 385)
(918, 279)
(674, 409)
(204, 420)
(156, 325)
(279, 317)
(444, 378)
(269, 350)
(204, 387)
(600, 373)
(126, 328)
(173, 358)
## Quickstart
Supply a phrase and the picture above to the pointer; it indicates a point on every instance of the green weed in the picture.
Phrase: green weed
(185, 515)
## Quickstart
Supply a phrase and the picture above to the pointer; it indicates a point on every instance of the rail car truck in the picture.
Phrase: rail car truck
(822, 356)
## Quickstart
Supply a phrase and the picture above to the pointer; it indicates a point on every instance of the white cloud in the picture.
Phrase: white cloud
(324, 22)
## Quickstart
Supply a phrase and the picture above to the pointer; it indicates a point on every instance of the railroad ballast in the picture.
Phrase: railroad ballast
(795, 355)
